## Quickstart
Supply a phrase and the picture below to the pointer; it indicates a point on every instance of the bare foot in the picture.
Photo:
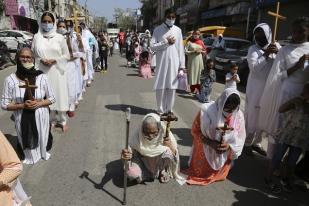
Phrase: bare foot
(65, 128)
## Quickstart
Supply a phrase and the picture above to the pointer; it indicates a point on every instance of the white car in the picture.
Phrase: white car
(13, 37)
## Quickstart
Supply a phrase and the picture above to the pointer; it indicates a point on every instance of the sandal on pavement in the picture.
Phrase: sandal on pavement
(164, 177)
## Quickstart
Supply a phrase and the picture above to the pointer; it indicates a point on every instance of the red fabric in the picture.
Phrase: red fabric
(200, 172)
(121, 37)
(195, 86)
(199, 42)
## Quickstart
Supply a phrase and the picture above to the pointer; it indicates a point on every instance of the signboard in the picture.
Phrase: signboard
(11, 7)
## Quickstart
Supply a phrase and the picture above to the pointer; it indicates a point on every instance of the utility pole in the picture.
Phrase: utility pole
(86, 12)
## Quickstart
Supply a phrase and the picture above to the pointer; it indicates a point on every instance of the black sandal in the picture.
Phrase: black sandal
(274, 188)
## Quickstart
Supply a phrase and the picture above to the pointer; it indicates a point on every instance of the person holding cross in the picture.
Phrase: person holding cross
(151, 153)
(218, 134)
(260, 59)
(286, 79)
(28, 94)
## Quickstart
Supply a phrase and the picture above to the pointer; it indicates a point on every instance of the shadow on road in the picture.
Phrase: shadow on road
(184, 162)
(134, 109)
(256, 198)
(188, 97)
(133, 75)
(114, 173)
(184, 135)
(248, 172)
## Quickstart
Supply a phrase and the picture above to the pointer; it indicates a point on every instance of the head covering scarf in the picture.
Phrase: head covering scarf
(198, 42)
(155, 146)
(52, 32)
(267, 31)
(29, 132)
(211, 118)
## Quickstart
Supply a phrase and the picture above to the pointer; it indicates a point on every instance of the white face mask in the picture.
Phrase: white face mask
(28, 65)
(62, 31)
(227, 114)
(170, 22)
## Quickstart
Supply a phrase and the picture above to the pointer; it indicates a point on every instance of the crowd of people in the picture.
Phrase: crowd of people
(53, 75)
(275, 108)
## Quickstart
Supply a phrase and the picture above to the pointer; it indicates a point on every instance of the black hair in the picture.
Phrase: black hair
(233, 65)
(46, 13)
(302, 21)
(209, 61)
(59, 22)
(169, 11)
(233, 101)
(71, 22)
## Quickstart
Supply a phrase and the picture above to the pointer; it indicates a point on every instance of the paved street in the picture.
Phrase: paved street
(85, 170)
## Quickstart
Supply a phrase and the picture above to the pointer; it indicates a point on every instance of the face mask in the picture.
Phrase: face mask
(28, 65)
(227, 114)
(170, 22)
(62, 31)
(47, 27)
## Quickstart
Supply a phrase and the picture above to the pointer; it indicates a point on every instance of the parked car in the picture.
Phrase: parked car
(224, 60)
(208, 41)
(231, 44)
(15, 38)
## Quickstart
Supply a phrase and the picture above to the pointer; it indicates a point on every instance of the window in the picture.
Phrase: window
(15, 34)
(3, 34)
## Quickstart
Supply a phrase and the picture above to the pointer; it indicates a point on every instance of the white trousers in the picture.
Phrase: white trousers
(90, 67)
(165, 100)
(58, 117)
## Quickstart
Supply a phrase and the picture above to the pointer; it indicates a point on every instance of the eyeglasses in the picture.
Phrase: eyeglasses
(25, 57)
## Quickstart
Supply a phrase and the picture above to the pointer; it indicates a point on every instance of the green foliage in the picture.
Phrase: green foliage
(125, 19)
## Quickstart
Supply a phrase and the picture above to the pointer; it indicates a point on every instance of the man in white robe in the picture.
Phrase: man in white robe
(285, 80)
(167, 43)
(260, 58)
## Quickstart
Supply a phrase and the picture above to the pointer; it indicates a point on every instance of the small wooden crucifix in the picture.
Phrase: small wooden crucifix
(223, 130)
(168, 117)
(28, 88)
(277, 16)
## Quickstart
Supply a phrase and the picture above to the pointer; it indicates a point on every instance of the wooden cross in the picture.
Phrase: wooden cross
(168, 117)
(277, 16)
(28, 88)
(223, 130)
(75, 19)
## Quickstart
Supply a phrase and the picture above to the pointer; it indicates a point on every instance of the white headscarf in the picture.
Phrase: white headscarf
(267, 31)
(52, 32)
(155, 147)
(211, 118)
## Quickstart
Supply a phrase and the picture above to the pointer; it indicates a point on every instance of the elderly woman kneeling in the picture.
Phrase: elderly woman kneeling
(151, 155)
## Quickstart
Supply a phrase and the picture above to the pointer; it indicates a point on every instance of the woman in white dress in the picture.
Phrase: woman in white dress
(51, 53)
(30, 106)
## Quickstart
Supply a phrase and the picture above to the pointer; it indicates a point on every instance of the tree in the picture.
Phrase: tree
(100, 23)
(125, 19)
(148, 13)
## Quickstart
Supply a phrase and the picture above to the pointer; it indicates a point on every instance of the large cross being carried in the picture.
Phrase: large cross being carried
(168, 117)
(28, 88)
(277, 16)
(75, 19)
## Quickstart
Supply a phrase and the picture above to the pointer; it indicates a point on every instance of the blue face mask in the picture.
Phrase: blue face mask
(47, 27)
